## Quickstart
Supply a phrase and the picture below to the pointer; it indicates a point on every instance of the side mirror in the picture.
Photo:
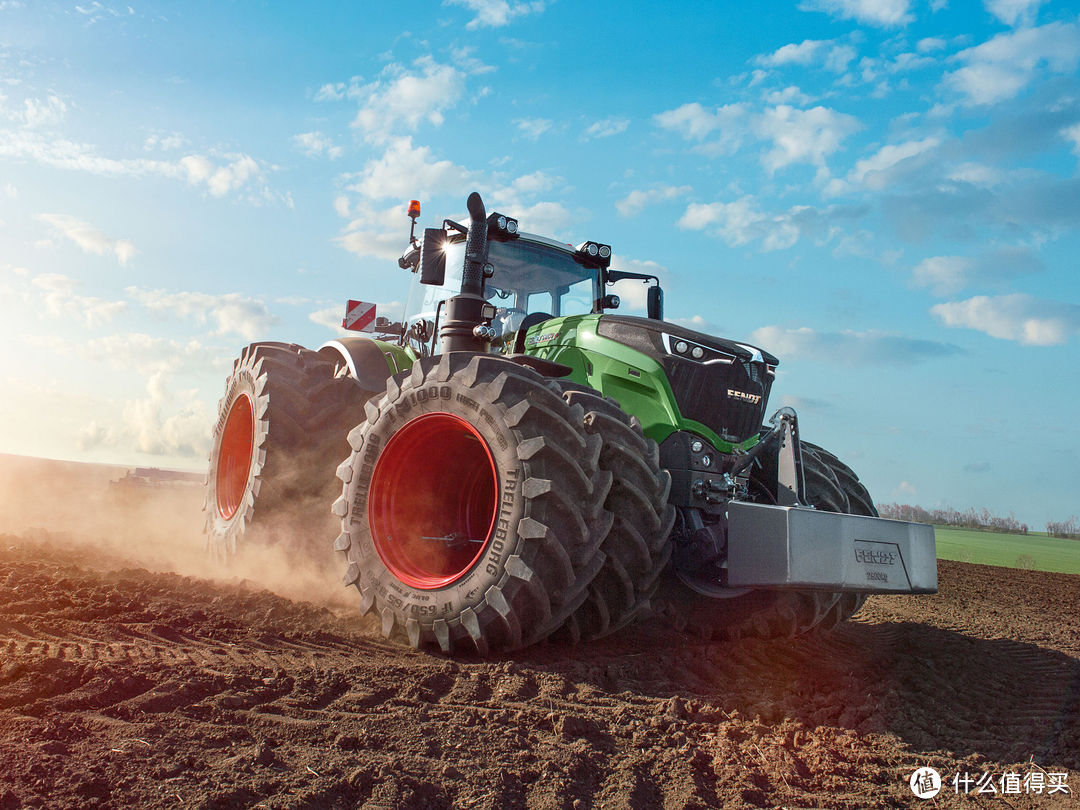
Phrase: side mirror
(433, 257)
(654, 303)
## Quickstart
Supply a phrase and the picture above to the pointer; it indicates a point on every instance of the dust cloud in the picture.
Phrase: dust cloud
(159, 527)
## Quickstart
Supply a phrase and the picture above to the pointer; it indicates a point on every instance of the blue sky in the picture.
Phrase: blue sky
(884, 193)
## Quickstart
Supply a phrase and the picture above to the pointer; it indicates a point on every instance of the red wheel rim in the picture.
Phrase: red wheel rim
(433, 501)
(234, 456)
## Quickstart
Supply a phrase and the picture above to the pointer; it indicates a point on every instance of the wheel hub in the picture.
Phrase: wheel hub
(433, 501)
(234, 459)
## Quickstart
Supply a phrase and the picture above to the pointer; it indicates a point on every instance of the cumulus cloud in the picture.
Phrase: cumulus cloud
(890, 164)
(164, 142)
(850, 347)
(1022, 318)
(833, 56)
(606, 127)
(742, 221)
(167, 423)
(495, 13)
(89, 238)
(696, 123)
(637, 200)
(374, 232)
(219, 180)
(789, 95)
(61, 301)
(802, 53)
(237, 172)
(532, 128)
(229, 312)
(945, 275)
(405, 171)
(1014, 12)
(44, 112)
(314, 144)
(880, 13)
(403, 98)
(999, 69)
(803, 136)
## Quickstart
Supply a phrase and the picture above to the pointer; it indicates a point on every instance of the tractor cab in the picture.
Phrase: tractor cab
(532, 279)
(526, 280)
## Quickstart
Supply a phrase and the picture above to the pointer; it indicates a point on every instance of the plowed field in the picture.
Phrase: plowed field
(122, 686)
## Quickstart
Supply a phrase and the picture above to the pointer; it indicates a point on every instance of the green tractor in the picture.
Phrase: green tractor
(519, 464)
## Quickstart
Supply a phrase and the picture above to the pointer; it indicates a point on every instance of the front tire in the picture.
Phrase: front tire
(472, 506)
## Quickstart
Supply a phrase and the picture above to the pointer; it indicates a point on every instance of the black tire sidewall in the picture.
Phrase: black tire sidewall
(449, 601)
(242, 382)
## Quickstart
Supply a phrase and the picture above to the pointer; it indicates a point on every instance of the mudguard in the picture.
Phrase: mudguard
(371, 362)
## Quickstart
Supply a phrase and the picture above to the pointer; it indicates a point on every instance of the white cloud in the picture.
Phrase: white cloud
(849, 347)
(43, 112)
(61, 153)
(1000, 68)
(314, 144)
(375, 232)
(1014, 12)
(740, 222)
(695, 123)
(404, 98)
(532, 128)
(220, 179)
(405, 171)
(605, 128)
(635, 202)
(331, 318)
(803, 136)
(833, 56)
(789, 95)
(164, 423)
(930, 44)
(1073, 134)
(803, 53)
(165, 143)
(229, 312)
(881, 13)
(1023, 318)
(62, 302)
(10, 191)
(880, 169)
(89, 238)
(944, 275)
(546, 218)
(495, 13)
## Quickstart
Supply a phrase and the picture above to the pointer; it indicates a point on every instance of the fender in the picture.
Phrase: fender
(370, 362)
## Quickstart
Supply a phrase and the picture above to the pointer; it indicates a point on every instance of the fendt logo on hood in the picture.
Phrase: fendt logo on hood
(753, 399)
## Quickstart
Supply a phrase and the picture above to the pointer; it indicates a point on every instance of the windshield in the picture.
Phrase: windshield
(530, 277)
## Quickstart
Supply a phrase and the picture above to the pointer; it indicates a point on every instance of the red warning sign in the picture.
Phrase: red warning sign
(359, 316)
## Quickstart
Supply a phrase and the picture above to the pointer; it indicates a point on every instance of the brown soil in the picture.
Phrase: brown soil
(122, 686)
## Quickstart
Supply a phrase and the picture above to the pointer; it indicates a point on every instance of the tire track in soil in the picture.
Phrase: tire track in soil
(143, 687)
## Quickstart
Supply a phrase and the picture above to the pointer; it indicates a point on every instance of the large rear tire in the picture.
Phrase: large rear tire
(280, 425)
(636, 547)
(830, 487)
(472, 508)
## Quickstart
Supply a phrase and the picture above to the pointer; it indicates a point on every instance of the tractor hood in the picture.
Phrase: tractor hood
(656, 337)
(719, 383)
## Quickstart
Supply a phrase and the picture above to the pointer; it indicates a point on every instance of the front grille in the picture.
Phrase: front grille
(702, 393)
(701, 389)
